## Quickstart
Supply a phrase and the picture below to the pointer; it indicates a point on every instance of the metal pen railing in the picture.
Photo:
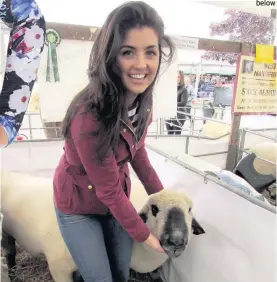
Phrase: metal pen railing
(208, 177)
(161, 132)
(243, 133)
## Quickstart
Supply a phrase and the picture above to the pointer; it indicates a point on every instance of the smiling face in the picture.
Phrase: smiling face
(138, 59)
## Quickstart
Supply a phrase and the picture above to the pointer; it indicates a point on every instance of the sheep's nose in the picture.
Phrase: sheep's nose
(177, 239)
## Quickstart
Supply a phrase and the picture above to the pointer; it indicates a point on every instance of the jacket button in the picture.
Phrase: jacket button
(148, 110)
(90, 187)
(133, 146)
(124, 129)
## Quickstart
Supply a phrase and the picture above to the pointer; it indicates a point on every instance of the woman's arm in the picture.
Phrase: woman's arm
(191, 94)
(145, 172)
(144, 169)
(26, 44)
(184, 98)
(104, 175)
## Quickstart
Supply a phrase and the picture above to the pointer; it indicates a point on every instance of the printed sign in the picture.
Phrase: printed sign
(255, 89)
(187, 43)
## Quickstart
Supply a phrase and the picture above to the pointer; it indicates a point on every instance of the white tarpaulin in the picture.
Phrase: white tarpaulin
(238, 245)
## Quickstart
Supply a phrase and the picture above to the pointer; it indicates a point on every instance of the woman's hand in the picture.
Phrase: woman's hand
(154, 243)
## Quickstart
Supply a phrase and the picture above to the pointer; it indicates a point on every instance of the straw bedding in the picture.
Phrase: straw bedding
(36, 270)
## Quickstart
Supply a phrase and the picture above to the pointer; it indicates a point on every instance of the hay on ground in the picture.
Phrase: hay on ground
(35, 269)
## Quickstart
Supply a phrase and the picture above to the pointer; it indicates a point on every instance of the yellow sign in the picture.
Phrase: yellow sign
(264, 54)
(255, 89)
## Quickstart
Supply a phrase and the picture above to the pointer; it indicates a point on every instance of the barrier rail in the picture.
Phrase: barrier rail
(161, 132)
(243, 133)
(207, 177)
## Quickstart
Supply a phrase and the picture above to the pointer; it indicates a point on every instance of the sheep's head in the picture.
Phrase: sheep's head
(169, 217)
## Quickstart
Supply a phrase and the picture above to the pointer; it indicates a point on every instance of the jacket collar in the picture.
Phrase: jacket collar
(124, 114)
(125, 121)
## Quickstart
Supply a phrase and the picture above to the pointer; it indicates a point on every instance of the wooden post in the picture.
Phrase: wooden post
(233, 143)
(233, 147)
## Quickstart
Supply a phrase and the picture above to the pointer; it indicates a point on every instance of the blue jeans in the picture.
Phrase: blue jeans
(99, 246)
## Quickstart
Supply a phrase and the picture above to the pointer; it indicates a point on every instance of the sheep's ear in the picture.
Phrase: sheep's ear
(197, 229)
(143, 216)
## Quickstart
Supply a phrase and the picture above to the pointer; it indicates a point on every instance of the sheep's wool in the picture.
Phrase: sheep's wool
(144, 259)
(213, 129)
(29, 216)
(4, 267)
(37, 232)
(267, 151)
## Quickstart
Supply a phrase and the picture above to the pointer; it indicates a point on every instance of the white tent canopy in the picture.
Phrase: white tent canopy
(246, 6)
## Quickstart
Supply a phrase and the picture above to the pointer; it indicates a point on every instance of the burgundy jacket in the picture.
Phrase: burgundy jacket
(84, 185)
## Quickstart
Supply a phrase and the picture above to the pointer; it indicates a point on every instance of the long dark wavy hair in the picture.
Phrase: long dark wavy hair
(182, 78)
(105, 92)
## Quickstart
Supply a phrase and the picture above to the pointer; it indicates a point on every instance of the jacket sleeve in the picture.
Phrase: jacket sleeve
(145, 171)
(191, 95)
(104, 175)
(184, 98)
(26, 44)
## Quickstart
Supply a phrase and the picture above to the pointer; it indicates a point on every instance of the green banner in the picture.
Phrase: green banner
(53, 39)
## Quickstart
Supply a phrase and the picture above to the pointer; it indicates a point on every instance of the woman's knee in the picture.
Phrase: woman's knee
(119, 248)
(84, 238)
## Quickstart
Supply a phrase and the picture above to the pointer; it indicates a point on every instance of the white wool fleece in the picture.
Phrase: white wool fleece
(267, 151)
(144, 259)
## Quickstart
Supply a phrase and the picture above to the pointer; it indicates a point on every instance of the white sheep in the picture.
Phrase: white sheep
(29, 217)
(4, 267)
(257, 172)
(267, 151)
(214, 129)
(4, 271)
(168, 214)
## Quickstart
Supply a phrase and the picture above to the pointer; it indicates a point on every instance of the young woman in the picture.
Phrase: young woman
(104, 128)
(24, 50)
(174, 125)
(191, 95)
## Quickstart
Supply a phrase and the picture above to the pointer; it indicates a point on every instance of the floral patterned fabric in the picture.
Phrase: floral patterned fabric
(24, 52)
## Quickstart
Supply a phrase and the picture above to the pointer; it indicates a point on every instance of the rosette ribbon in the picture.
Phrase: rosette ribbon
(52, 39)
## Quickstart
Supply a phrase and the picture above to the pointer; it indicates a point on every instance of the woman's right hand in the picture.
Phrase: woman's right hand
(154, 243)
